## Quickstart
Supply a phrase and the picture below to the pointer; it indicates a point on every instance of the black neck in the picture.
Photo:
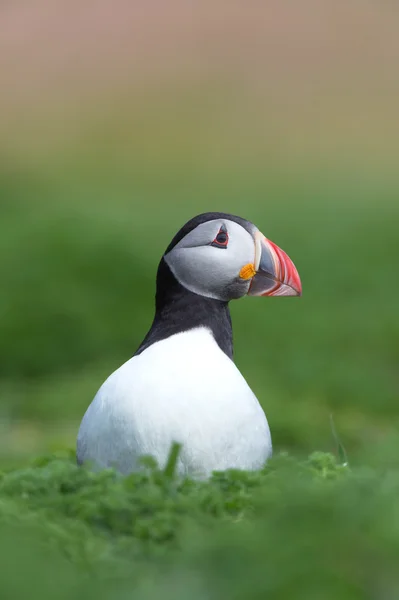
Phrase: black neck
(178, 309)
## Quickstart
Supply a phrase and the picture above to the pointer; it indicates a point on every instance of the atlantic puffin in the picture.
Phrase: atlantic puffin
(182, 384)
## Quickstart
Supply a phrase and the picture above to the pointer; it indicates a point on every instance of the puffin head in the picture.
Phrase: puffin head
(224, 257)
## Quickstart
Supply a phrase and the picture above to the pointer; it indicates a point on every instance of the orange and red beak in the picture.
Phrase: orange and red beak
(276, 274)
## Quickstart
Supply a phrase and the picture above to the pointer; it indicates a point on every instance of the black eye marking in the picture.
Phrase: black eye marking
(222, 238)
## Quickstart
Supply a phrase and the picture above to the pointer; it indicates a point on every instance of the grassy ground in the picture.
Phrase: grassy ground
(298, 530)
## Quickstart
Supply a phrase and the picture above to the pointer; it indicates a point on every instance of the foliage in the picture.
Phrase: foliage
(301, 530)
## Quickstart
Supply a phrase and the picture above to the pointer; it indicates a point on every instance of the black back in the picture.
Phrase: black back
(177, 309)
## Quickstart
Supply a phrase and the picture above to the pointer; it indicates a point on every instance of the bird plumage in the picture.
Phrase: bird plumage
(182, 389)
(182, 384)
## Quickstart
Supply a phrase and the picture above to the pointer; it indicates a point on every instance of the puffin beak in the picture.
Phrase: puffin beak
(275, 273)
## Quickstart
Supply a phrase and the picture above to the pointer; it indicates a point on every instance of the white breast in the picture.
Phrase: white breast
(182, 389)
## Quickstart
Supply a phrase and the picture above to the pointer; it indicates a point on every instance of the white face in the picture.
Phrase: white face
(209, 259)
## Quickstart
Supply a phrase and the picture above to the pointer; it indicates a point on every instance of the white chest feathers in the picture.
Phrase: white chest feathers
(183, 389)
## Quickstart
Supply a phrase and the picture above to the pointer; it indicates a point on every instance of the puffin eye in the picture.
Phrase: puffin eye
(222, 239)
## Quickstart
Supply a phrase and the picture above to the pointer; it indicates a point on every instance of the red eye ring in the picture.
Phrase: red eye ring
(222, 239)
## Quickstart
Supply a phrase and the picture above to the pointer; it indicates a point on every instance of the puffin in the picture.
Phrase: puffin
(182, 385)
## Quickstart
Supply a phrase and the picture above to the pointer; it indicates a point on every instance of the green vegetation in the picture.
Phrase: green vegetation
(310, 529)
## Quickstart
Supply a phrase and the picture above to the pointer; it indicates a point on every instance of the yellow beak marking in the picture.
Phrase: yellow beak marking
(248, 271)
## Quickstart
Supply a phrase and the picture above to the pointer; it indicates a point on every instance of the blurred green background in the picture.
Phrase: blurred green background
(120, 123)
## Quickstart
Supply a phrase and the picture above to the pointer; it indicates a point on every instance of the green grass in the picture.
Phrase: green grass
(310, 529)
